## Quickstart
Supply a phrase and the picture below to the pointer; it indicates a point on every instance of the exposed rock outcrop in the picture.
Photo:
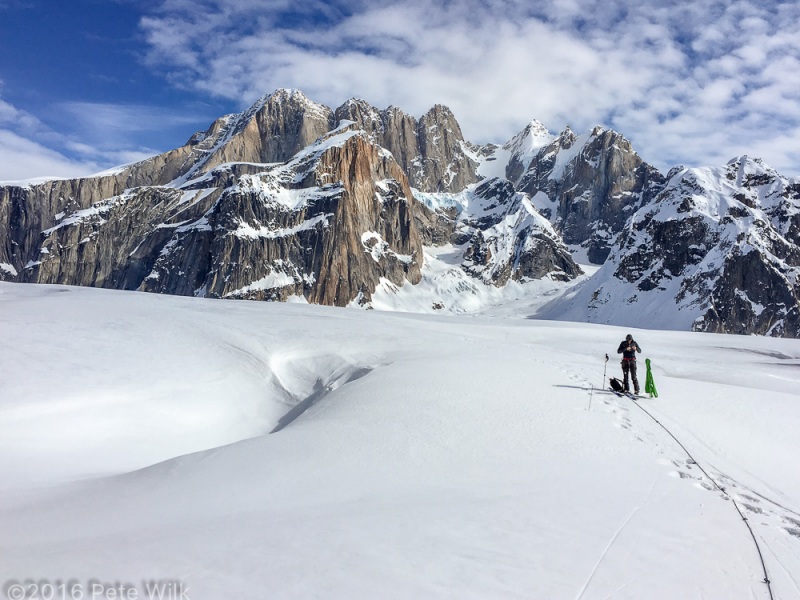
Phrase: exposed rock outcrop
(326, 225)
(716, 251)
(431, 151)
(594, 184)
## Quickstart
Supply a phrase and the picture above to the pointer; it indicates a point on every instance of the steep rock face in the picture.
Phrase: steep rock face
(115, 242)
(273, 130)
(331, 240)
(431, 151)
(326, 225)
(716, 251)
(400, 137)
(443, 165)
(594, 184)
(25, 211)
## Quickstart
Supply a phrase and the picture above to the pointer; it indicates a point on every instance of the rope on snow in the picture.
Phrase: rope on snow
(721, 489)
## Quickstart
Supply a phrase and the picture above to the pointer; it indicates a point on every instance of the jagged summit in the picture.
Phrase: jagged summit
(287, 94)
(566, 138)
(235, 122)
(534, 136)
(523, 147)
(290, 198)
(430, 149)
(290, 96)
(718, 250)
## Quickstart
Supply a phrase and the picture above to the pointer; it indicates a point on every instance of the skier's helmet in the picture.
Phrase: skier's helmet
(629, 338)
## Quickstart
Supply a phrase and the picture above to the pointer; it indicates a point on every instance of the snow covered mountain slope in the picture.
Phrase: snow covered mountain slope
(504, 236)
(593, 182)
(436, 457)
(718, 250)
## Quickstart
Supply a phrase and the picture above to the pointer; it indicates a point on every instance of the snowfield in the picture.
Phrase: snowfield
(413, 456)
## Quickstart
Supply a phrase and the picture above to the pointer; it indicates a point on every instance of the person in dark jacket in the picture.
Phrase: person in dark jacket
(628, 348)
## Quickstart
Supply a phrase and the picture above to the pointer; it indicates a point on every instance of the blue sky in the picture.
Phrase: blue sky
(88, 84)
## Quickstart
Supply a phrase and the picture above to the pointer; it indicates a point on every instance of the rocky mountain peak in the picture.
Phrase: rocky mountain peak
(430, 150)
(366, 117)
(594, 182)
(283, 101)
(441, 119)
(291, 198)
(566, 138)
(357, 104)
(271, 130)
(523, 147)
(284, 95)
(751, 172)
(716, 250)
(292, 97)
(444, 162)
(534, 136)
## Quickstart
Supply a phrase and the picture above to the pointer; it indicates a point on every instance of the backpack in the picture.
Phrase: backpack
(616, 384)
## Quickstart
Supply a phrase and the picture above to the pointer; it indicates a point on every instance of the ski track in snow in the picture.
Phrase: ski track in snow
(613, 539)
(751, 500)
(773, 516)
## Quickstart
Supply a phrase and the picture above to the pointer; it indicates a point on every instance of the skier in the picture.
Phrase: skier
(628, 348)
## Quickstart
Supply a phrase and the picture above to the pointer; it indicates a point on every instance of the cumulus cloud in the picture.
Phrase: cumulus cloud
(693, 83)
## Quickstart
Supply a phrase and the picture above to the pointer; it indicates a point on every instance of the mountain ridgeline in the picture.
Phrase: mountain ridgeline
(292, 200)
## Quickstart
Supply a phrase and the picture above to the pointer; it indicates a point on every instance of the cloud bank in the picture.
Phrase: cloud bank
(99, 135)
(691, 83)
(22, 157)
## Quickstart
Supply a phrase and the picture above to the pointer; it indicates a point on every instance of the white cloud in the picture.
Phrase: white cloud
(13, 117)
(684, 81)
(22, 158)
(31, 149)
(107, 125)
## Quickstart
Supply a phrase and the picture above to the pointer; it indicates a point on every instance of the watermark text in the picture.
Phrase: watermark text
(95, 589)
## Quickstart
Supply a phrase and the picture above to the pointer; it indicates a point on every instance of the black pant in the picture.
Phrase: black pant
(629, 366)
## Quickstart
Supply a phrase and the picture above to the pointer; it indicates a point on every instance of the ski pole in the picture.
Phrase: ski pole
(605, 366)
